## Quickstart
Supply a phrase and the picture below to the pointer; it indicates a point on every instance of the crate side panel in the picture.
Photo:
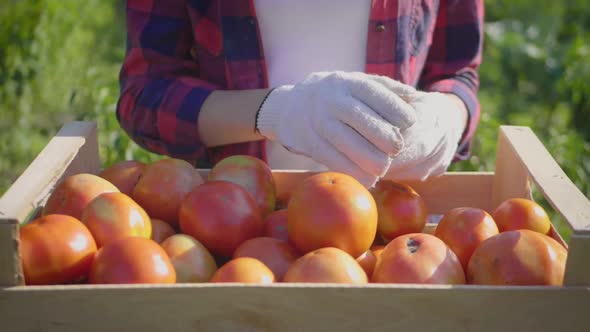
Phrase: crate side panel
(296, 309)
(11, 273)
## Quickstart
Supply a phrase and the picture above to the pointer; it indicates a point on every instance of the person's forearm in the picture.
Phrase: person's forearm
(229, 116)
(461, 108)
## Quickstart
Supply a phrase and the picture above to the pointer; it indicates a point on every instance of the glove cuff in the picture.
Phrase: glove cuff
(270, 111)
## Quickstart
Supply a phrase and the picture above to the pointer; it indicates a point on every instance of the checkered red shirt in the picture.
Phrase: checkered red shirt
(180, 50)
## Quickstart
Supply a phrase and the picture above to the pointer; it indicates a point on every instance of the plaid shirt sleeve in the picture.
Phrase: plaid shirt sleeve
(453, 59)
(161, 93)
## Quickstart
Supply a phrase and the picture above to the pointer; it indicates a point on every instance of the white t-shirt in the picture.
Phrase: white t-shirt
(305, 36)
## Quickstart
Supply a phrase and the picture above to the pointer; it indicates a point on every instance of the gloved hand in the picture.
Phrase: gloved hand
(431, 143)
(349, 122)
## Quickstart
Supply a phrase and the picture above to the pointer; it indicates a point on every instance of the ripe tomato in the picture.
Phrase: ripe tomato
(464, 229)
(124, 175)
(191, 260)
(520, 257)
(221, 215)
(276, 254)
(161, 230)
(420, 259)
(56, 249)
(251, 173)
(329, 265)
(111, 216)
(162, 187)
(401, 209)
(367, 261)
(132, 260)
(72, 195)
(520, 213)
(245, 270)
(332, 209)
(275, 225)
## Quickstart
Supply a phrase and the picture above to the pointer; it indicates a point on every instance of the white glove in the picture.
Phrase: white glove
(431, 143)
(349, 122)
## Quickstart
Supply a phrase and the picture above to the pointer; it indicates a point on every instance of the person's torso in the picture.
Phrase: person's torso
(265, 43)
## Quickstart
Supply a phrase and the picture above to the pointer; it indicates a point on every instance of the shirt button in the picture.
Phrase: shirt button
(380, 27)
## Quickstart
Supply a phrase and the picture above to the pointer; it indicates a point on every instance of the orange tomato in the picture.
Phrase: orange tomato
(326, 265)
(111, 216)
(244, 270)
(276, 254)
(132, 260)
(332, 209)
(418, 258)
(221, 215)
(520, 257)
(520, 213)
(162, 187)
(275, 225)
(124, 175)
(464, 229)
(191, 260)
(161, 230)
(56, 249)
(71, 196)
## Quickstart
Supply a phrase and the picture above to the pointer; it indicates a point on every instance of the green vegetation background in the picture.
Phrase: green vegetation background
(59, 61)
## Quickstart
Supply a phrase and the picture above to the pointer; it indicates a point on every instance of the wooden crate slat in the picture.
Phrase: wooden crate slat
(525, 149)
(577, 268)
(298, 308)
(11, 273)
(452, 189)
(74, 149)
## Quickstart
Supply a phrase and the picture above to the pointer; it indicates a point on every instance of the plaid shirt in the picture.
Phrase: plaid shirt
(178, 51)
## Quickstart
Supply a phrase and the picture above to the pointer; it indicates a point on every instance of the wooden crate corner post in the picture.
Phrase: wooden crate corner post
(521, 157)
(74, 149)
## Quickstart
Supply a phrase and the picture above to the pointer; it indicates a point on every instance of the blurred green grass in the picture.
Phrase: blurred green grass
(59, 61)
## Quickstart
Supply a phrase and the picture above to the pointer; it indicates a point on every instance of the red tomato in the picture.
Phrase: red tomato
(124, 175)
(367, 261)
(251, 173)
(276, 254)
(377, 250)
(400, 208)
(161, 230)
(56, 249)
(464, 229)
(162, 187)
(132, 260)
(520, 257)
(275, 225)
(418, 258)
(221, 215)
(332, 209)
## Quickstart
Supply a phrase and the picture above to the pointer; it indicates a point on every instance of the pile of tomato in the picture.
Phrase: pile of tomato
(162, 222)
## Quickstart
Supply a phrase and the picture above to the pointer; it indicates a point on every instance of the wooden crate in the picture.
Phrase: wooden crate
(521, 157)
